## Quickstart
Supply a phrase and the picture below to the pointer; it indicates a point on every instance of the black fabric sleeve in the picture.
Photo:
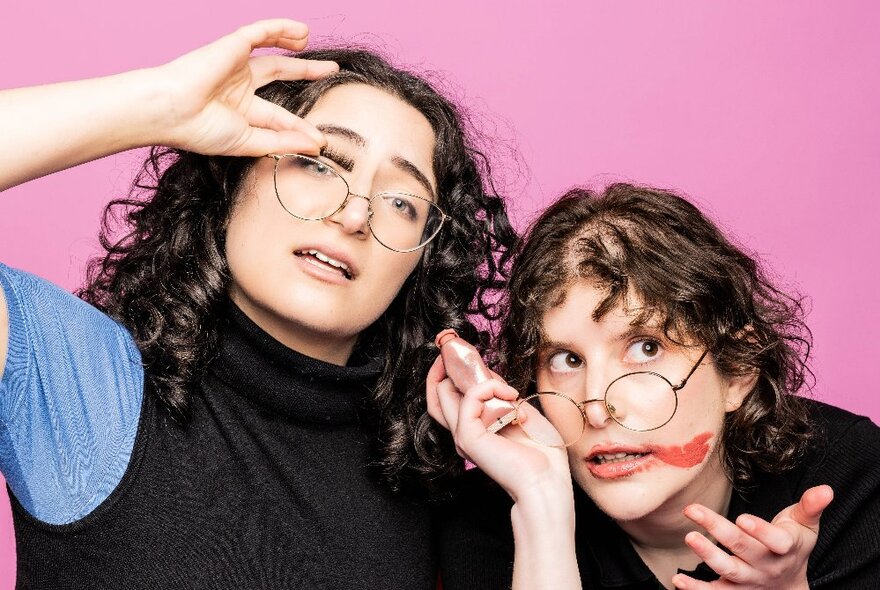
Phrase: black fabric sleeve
(847, 554)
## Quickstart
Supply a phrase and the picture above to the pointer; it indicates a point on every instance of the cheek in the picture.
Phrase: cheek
(242, 246)
(688, 455)
(700, 408)
(395, 270)
(254, 255)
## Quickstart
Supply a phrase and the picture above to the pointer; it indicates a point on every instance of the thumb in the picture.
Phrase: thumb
(813, 502)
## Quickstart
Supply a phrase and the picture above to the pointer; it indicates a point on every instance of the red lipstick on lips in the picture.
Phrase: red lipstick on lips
(641, 461)
(688, 455)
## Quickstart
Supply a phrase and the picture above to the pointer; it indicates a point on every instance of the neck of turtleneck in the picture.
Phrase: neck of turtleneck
(287, 382)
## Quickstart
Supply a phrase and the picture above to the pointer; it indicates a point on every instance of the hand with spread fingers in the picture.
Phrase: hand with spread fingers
(214, 107)
(764, 554)
(204, 101)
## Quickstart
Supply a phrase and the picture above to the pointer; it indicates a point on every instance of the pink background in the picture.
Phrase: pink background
(765, 113)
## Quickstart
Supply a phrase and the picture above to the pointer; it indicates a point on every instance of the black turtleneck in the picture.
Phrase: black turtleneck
(268, 486)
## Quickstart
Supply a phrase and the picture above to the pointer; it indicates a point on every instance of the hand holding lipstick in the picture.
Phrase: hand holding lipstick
(475, 404)
(477, 407)
(765, 555)
(465, 367)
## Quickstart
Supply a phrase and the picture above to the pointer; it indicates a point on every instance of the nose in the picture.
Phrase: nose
(596, 413)
(354, 216)
(594, 408)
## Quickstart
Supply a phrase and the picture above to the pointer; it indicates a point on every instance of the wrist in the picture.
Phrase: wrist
(154, 123)
(545, 509)
(545, 554)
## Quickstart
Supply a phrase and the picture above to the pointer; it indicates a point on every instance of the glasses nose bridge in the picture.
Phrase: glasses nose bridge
(595, 412)
(346, 216)
(359, 196)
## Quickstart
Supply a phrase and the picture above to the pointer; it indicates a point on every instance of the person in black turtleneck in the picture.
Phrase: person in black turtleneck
(666, 364)
(241, 405)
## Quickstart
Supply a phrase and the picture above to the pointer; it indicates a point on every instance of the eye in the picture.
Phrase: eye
(401, 205)
(564, 362)
(642, 351)
(321, 169)
(313, 168)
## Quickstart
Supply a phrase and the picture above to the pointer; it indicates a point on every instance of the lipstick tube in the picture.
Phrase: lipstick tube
(466, 368)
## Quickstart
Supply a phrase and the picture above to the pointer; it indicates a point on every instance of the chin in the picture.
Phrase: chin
(633, 511)
(624, 499)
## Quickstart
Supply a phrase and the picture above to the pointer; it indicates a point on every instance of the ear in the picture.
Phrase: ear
(737, 390)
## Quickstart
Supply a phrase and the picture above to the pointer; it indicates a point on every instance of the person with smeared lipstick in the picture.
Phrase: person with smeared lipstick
(651, 363)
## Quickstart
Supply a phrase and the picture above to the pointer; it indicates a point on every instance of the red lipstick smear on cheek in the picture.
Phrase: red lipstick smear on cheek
(689, 455)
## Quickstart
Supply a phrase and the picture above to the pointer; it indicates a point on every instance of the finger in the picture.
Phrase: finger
(449, 398)
(481, 399)
(279, 32)
(685, 582)
(537, 427)
(259, 142)
(739, 541)
(268, 68)
(808, 510)
(436, 374)
(497, 376)
(470, 423)
(268, 115)
(498, 400)
(727, 566)
(776, 538)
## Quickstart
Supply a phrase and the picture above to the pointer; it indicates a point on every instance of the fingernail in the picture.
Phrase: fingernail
(445, 336)
(746, 523)
(694, 512)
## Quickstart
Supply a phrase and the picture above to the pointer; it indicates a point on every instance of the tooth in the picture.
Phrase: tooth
(326, 259)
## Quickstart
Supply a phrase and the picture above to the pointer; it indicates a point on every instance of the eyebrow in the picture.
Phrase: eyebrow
(400, 162)
(631, 331)
(345, 132)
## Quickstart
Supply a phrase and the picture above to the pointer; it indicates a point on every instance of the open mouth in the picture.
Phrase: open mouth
(321, 260)
(611, 464)
(616, 458)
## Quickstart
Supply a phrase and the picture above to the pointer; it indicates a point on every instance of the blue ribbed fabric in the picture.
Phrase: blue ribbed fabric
(70, 400)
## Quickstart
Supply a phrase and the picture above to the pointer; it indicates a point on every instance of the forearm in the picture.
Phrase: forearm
(57, 126)
(543, 530)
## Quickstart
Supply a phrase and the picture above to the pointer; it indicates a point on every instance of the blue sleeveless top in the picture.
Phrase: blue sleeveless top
(70, 400)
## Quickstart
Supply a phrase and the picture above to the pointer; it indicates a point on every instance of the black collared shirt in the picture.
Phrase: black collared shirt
(477, 539)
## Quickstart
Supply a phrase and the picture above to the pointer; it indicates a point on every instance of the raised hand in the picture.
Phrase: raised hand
(211, 102)
(765, 554)
(203, 102)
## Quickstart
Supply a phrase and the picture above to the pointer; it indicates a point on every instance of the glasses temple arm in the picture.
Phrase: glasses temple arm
(693, 370)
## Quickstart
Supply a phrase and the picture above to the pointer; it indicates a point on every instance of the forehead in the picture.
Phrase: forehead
(573, 315)
(388, 125)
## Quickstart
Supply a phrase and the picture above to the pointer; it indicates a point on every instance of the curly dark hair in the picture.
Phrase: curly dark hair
(660, 249)
(166, 279)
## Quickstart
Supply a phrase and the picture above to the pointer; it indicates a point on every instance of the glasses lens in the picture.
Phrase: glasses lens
(641, 401)
(402, 221)
(307, 188)
(560, 411)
